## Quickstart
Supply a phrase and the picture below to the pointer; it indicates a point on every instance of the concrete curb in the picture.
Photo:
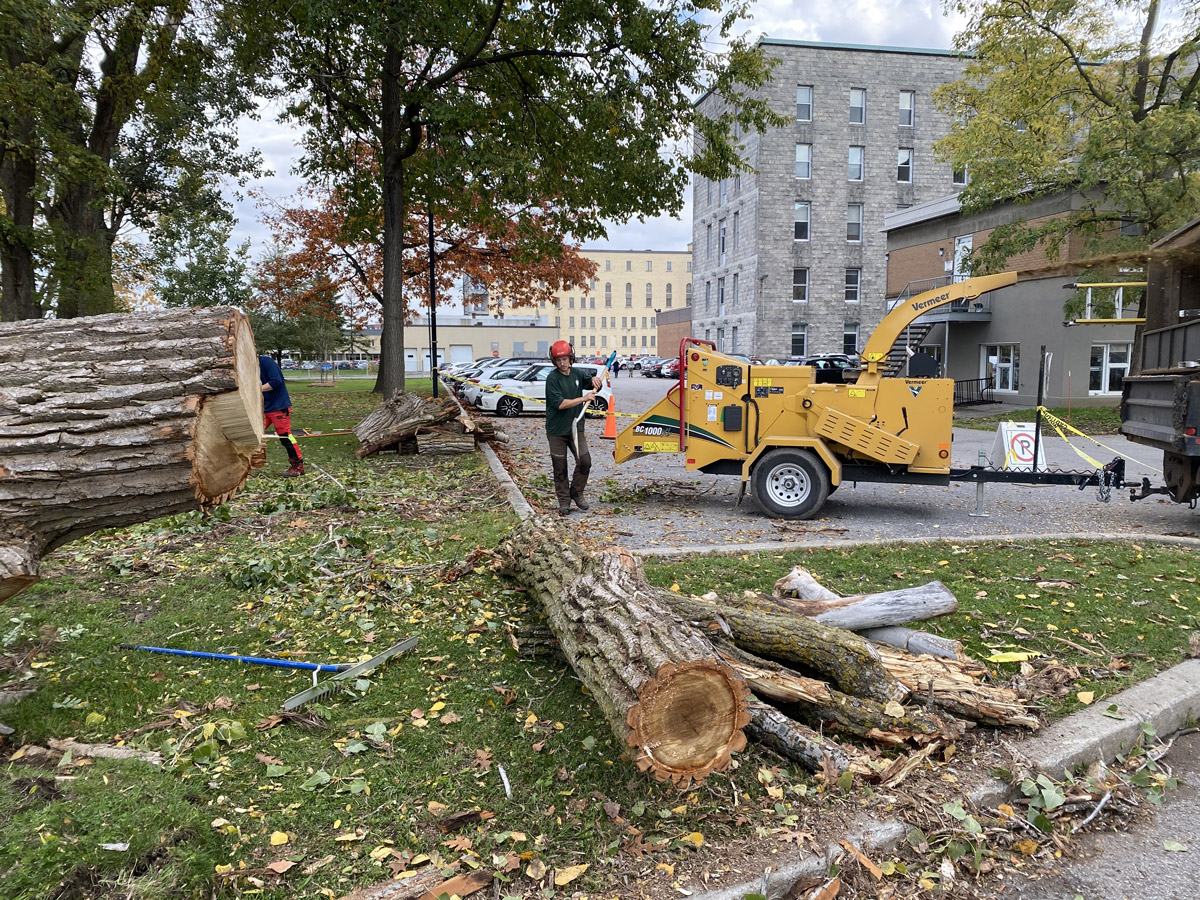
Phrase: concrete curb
(1166, 701)
(515, 498)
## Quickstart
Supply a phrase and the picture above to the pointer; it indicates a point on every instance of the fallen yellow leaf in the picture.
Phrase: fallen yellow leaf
(893, 709)
(1086, 697)
(278, 837)
(536, 870)
(695, 838)
(668, 868)
(569, 874)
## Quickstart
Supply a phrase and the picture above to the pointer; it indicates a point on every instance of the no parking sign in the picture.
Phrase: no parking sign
(1013, 447)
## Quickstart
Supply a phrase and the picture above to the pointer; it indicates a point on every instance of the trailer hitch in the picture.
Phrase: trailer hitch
(1147, 491)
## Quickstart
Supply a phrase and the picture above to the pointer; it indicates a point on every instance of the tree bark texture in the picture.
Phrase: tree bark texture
(117, 419)
(445, 443)
(660, 684)
(400, 417)
(803, 594)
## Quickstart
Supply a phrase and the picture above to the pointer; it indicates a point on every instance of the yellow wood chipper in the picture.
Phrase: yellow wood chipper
(795, 440)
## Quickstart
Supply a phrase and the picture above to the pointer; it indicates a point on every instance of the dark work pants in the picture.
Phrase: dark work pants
(566, 488)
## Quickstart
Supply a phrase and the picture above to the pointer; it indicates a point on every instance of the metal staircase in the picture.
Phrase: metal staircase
(897, 357)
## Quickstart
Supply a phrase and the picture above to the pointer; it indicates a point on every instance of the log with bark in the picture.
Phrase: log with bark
(398, 418)
(440, 442)
(662, 687)
(621, 634)
(117, 419)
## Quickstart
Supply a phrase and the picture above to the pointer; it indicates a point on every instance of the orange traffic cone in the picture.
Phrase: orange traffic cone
(610, 420)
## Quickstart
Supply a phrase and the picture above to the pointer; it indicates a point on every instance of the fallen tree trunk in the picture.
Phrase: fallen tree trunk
(400, 417)
(660, 684)
(437, 442)
(118, 419)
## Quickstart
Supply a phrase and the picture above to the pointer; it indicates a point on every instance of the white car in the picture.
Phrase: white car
(527, 392)
(478, 385)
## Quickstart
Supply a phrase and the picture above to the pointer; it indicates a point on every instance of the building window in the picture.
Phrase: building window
(853, 285)
(854, 222)
(804, 161)
(855, 164)
(604, 341)
(721, 340)
(608, 293)
(624, 340)
(593, 323)
(592, 341)
(668, 265)
(733, 347)
(649, 296)
(858, 106)
(624, 321)
(735, 288)
(643, 340)
(960, 177)
(668, 290)
(721, 243)
(629, 265)
(803, 214)
(720, 296)
(850, 338)
(592, 303)
(904, 165)
(1001, 365)
(708, 188)
(708, 242)
(800, 285)
(604, 321)
(735, 231)
(1109, 366)
(707, 296)
(708, 335)
(649, 265)
(628, 293)
(653, 339)
(1130, 228)
(570, 303)
(804, 98)
(608, 265)
(689, 265)
(570, 321)
(687, 294)
(644, 323)
(908, 102)
(721, 191)
(799, 339)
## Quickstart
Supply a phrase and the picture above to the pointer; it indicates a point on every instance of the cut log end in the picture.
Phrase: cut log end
(688, 721)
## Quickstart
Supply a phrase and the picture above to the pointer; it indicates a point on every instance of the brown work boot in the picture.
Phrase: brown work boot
(297, 469)
(581, 503)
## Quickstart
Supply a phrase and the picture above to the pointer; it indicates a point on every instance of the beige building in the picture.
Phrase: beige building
(620, 309)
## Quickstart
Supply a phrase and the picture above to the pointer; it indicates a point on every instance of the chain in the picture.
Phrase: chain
(1104, 486)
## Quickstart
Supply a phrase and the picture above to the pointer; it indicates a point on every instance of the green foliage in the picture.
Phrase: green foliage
(1088, 96)
(1088, 419)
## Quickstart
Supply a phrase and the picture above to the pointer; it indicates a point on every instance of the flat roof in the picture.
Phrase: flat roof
(868, 48)
(921, 212)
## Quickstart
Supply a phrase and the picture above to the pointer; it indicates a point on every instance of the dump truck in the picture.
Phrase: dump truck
(1160, 403)
(794, 439)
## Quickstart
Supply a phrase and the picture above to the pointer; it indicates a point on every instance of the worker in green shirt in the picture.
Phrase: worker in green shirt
(567, 397)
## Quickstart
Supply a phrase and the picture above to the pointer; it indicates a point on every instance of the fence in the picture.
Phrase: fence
(973, 392)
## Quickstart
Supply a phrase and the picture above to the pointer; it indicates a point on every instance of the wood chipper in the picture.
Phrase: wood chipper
(794, 440)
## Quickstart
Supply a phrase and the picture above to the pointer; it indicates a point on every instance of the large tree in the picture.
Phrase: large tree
(1099, 97)
(573, 111)
(112, 114)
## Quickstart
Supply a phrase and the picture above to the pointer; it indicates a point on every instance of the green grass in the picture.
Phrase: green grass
(1088, 419)
(353, 558)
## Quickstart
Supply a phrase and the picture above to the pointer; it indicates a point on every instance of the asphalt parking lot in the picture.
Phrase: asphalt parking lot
(653, 502)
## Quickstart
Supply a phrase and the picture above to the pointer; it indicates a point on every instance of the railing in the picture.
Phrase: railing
(978, 305)
(973, 392)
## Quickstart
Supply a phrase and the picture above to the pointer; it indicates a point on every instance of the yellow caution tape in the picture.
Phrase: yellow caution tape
(1059, 425)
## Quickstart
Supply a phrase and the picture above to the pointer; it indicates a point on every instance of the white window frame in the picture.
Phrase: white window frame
(861, 95)
(802, 207)
(909, 111)
(799, 284)
(856, 171)
(1005, 376)
(803, 115)
(804, 162)
(854, 220)
(1108, 368)
(800, 330)
(853, 285)
(904, 165)
(850, 330)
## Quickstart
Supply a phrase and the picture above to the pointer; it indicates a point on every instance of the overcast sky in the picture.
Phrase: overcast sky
(898, 23)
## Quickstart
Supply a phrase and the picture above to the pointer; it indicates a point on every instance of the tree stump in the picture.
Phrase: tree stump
(117, 419)
(661, 685)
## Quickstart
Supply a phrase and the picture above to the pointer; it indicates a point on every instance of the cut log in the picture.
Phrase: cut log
(794, 741)
(117, 419)
(803, 594)
(438, 442)
(398, 418)
(661, 686)
(916, 642)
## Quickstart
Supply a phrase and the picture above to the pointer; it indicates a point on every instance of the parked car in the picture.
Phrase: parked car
(527, 391)
(488, 378)
(651, 366)
(490, 362)
(830, 368)
(669, 369)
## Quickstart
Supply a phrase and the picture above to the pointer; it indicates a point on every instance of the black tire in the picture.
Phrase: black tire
(509, 407)
(790, 483)
(599, 404)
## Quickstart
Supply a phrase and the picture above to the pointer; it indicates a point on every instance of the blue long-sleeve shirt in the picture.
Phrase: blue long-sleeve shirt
(276, 398)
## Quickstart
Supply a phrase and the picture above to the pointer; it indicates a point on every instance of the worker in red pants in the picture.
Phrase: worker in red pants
(277, 412)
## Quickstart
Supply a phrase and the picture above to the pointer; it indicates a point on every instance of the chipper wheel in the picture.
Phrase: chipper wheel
(790, 483)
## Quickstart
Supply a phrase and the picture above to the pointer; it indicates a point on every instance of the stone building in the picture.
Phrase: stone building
(791, 260)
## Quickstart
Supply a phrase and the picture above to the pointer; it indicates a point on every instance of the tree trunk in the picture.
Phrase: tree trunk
(391, 340)
(18, 174)
(399, 417)
(117, 419)
(661, 686)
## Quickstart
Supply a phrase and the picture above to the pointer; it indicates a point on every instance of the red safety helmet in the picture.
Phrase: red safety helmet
(561, 348)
